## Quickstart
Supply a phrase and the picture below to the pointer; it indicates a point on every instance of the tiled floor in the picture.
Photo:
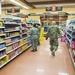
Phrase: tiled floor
(41, 62)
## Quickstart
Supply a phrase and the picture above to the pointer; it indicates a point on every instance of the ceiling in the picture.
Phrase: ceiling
(38, 3)
(6, 4)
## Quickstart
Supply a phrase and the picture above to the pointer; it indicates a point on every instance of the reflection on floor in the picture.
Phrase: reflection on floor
(41, 62)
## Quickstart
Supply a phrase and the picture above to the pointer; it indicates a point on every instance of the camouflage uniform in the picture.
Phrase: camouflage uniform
(52, 33)
(39, 29)
(34, 36)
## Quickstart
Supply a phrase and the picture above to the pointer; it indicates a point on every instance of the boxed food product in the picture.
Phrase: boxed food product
(1, 39)
(1, 23)
(2, 45)
(19, 50)
(2, 53)
(9, 48)
(1, 31)
(8, 41)
(1, 62)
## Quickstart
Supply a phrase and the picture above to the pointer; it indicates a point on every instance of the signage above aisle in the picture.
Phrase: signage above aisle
(54, 8)
(13, 10)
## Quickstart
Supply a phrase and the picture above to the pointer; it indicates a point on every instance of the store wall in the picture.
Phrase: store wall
(64, 9)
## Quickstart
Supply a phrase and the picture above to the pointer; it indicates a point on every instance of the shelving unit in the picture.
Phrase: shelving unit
(2, 42)
(70, 36)
(17, 41)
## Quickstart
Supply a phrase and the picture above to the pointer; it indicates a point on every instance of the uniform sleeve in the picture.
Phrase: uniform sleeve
(47, 35)
(58, 30)
(30, 32)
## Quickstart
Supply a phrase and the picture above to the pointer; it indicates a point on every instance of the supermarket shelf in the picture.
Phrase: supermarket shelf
(2, 34)
(13, 49)
(69, 34)
(24, 28)
(9, 61)
(2, 48)
(11, 24)
(28, 41)
(12, 43)
(16, 48)
(24, 33)
(28, 46)
(2, 42)
(28, 26)
(24, 43)
(2, 27)
(72, 57)
(23, 38)
(12, 30)
(11, 37)
(68, 39)
(13, 57)
(2, 56)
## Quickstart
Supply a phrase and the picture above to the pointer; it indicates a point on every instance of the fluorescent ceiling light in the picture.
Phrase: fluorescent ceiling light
(25, 7)
(19, 4)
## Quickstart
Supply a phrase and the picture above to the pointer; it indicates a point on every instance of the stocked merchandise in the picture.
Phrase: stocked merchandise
(17, 40)
(2, 43)
(70, 36)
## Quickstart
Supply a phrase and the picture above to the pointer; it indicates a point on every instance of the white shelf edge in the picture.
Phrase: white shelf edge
(24, 43)
(24, 33)
(2, 48)
(68, 39)
(11, 37)
(2, 27)
(2, 42)
(11, 30)
(72, 57)
(2, 56)
(23, 38)
(12, 43)
(2, 34)
(24, 28)
(69, 34)
(13, 57)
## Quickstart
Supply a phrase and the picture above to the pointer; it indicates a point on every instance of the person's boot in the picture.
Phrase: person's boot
(38, 43)
(33, 50)
(53, 53)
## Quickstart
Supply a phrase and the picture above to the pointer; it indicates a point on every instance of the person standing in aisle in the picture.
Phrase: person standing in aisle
(39, 29)
(52, 33)
(34, 37)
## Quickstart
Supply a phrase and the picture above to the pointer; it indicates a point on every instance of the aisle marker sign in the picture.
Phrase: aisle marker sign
(54, 8)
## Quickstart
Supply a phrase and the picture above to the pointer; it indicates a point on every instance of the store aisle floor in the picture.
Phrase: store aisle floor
(41, 62)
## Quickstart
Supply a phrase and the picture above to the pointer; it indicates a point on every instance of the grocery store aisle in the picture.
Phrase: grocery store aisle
(41, 62)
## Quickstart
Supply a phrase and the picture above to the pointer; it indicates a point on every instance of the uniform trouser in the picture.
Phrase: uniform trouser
(34, 44)
(53, 44)
(38, 38)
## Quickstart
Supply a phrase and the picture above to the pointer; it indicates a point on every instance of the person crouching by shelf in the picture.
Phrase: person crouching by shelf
(52, 33)
(34, 37)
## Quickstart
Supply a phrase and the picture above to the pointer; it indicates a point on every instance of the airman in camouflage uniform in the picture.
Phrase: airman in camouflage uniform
(39, 29)
(34, 37)
(52, 33)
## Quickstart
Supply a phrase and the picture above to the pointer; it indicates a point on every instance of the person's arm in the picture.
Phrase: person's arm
(58, 30)
(47, 35)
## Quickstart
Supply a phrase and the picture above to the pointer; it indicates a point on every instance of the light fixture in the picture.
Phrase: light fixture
(19, 4)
